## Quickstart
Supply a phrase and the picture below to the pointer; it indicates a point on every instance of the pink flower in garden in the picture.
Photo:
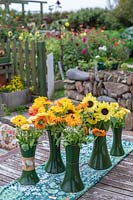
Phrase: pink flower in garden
(84, 39)
(84, 51)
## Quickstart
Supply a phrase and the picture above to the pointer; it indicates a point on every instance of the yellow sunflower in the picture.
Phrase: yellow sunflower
(19, 120)
(91, 102)
(104, 111)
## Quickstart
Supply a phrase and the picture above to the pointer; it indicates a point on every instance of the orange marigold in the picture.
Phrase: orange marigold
(40, 122)
(73, 120)
(98, 132)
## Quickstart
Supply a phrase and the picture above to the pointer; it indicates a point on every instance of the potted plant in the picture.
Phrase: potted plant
(112, 64)
(14, 94)
(101, 62)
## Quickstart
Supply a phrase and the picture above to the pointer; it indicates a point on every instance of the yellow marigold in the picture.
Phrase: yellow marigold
(32, 119)
(19, 120)
(25, 127)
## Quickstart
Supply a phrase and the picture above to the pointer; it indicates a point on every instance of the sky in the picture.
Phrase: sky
(67, 5)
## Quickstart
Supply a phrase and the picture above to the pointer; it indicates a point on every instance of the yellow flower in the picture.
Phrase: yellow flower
(67, 24)
(104, 111)
(10, 34)
(19, 120)
(91, 102)
(25, 127)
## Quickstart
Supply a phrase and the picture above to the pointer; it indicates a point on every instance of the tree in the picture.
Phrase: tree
(124, 12)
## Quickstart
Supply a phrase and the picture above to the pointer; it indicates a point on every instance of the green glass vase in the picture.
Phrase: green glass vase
(29, 175)
(117, 148)
(72, 181)
(54, 164)
(100, 158)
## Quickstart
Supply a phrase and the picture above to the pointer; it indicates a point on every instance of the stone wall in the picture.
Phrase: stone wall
(106, 85)
(117, 85)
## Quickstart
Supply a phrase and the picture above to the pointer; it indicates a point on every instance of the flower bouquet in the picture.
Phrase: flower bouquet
(96, 116)
(27, 134)
(117, 123)
(74, 135)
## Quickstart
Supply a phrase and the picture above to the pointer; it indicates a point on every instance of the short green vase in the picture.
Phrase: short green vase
(100, 158)
(117, 148)
(72, 181)
(28, 177)
(54, 164)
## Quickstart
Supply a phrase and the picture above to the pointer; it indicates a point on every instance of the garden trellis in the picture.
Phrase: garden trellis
(23, 2)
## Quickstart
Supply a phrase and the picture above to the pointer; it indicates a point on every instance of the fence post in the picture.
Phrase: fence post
(41, 62)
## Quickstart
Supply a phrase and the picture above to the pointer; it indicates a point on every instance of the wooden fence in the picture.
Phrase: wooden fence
(26, 61)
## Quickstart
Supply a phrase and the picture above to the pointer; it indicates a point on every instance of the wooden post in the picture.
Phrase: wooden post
(14, 57)
(41, 56)
(41, 12)
(33, 64)
(23, 13)
(27, 63)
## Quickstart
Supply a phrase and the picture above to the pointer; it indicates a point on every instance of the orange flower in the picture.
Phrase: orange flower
(40, 122)
(82, 106)
(98, 132)
(73, 120)
(86, 130)
(33, 111)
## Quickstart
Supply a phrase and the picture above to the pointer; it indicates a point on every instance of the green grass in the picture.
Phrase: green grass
(130, 61)
(58, 94)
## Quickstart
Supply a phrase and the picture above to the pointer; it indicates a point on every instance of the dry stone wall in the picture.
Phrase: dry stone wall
(106, 85)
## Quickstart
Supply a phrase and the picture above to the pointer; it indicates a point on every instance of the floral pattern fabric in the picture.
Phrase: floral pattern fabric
(7, 137)
(49, 185)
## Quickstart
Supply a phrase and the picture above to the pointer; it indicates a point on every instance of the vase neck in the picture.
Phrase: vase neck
(72, 153)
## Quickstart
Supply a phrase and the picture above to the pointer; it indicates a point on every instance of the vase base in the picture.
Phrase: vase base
(28, 178)
(117, 153)
(72, 187)
(100, 167)
(55, 168)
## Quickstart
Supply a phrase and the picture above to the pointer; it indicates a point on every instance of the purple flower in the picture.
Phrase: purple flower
(84, 39)
(84, 51)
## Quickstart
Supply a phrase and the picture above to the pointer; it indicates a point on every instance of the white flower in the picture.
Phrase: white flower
(103, 48)
(97, 56)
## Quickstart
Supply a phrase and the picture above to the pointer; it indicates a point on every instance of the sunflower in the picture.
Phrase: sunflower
(19, 120)
(73, 120)
(40, 122)
(91, 102)
(92, 120)
(98, 132)
(104, 111)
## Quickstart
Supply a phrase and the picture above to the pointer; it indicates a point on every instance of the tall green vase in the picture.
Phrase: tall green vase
(29, 175)
(72, 181)
(55, 164)
(117, 148)
(100, 158)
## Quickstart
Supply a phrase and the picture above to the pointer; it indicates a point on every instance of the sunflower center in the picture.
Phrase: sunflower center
(90, 104)
(70, 111)
(105, 111)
